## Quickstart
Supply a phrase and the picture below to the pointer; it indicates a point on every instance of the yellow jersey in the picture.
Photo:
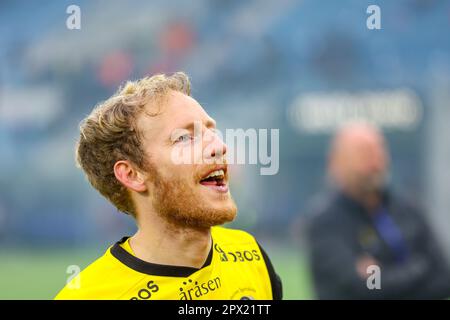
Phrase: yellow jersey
(236, 268)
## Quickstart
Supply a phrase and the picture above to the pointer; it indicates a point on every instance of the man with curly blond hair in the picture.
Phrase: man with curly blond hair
(129, 149)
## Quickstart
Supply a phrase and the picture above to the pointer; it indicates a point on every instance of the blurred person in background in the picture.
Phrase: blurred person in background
(361, 223)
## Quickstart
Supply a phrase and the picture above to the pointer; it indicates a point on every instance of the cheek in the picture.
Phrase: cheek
(365, 170)
(177, 172)
(358, 170)
(186, 153)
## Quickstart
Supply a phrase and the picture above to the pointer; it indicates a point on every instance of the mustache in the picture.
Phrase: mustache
(209, 168)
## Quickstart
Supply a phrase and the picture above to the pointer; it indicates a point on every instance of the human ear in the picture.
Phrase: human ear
(131, 178)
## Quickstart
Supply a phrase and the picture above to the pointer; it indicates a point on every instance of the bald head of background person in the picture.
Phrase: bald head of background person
(359, 162)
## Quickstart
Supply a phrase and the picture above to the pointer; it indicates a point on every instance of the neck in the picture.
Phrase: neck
(369, 200)
(158, 241)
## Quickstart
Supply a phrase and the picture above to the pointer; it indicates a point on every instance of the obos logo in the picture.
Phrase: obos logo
(146, 293)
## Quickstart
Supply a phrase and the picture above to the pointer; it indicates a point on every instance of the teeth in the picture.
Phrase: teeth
(215, 174)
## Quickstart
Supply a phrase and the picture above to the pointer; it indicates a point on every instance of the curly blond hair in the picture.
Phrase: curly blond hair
(110, 134)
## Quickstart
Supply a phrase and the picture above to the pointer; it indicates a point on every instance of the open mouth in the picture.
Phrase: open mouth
(216, 180)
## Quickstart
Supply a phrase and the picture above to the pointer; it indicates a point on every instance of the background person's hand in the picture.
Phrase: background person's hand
(363, 263)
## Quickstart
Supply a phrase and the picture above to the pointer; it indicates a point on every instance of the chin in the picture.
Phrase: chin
(224, 213)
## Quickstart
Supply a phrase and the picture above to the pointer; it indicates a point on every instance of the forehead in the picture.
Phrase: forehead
(175, 111)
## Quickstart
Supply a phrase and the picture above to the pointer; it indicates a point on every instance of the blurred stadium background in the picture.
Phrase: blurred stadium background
(301, 66)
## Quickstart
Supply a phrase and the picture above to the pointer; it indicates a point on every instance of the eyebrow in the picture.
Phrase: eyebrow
(210, 123)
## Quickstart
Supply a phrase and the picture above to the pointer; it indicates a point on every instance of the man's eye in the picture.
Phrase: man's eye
(184, 138)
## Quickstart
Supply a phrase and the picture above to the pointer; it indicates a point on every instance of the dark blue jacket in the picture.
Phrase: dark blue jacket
(341, 231)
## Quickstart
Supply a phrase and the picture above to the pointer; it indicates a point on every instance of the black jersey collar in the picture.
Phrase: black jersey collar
(152, 268)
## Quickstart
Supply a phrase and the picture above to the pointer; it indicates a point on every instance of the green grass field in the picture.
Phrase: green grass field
(40, 274)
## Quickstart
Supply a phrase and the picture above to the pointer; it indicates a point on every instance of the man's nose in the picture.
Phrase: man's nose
(377, 164)
(216, 147)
